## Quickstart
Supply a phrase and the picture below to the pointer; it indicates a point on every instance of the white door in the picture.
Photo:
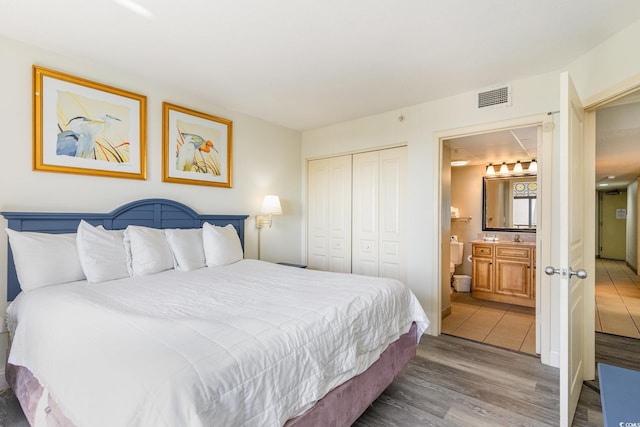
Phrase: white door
(329, 214)
(576, 314)
(366, 200)
(393, 187)
(379, 198)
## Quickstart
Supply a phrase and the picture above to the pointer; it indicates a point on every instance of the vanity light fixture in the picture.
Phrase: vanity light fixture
(516, 168)
(270, 206)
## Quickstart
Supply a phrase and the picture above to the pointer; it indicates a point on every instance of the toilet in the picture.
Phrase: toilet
(457, 249)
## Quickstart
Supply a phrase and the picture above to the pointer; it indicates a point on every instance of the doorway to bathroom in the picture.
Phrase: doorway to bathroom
(502, 305)
(617, 281)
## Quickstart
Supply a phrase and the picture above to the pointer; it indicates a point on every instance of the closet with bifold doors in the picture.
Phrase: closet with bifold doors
(356, 209)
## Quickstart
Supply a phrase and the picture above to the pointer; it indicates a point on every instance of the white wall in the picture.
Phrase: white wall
(632, 225)
(532, 96)
(606, 65)
(266, 160)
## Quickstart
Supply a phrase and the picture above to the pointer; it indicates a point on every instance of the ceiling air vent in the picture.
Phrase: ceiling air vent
(496, 96)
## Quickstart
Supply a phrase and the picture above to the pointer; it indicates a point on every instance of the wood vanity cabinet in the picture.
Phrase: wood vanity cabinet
(504, 272)
(482, 268)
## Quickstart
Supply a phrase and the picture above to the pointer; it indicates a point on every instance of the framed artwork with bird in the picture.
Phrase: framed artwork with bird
(85, 127)
(196, 147)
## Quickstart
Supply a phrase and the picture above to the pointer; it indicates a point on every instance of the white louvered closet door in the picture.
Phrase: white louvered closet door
(329, 214)
(379, 199)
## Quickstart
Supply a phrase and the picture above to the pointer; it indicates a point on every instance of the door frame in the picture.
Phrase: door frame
(591, 105)
(543, 293)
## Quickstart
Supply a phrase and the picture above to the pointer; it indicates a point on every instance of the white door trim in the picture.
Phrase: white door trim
(543, 294)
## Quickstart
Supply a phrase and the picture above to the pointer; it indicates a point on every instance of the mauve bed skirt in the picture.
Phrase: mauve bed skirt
(340, 407)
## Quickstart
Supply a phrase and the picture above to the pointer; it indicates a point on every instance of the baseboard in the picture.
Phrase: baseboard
(635, 270)
(3, 381)
(554, 359)
(445, 312)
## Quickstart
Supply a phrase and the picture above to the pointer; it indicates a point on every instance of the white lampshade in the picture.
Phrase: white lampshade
(517, 167)
(533, 166)
(504, 168)
(271, 205)
(490, 170)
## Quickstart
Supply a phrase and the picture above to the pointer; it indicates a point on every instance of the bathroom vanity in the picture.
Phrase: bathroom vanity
(504, 271)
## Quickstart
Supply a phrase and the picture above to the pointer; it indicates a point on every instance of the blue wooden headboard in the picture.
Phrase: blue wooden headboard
(156, 213)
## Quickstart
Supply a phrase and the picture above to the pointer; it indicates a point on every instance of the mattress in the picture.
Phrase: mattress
(251, 343)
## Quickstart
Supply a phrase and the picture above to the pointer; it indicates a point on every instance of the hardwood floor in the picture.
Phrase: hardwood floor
(457, 382)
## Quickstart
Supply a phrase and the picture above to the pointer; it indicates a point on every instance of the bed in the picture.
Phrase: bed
(231, 342)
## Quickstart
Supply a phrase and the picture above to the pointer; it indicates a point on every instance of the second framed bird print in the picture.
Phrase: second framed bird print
(196, 147)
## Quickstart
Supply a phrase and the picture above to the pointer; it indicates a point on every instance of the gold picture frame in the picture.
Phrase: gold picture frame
(196, 147)
(84, 127)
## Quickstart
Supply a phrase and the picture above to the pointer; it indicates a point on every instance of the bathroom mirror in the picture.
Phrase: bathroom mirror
(509, 203)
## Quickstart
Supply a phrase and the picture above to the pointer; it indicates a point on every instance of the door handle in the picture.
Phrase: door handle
(582, 273)
(550, 271)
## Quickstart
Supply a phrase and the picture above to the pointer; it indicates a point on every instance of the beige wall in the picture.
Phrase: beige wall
(466, 195)
(445, 236)
(632, 225)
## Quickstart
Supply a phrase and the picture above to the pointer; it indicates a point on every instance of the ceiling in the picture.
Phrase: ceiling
(618, 143)
(506, 146)
(309, 63)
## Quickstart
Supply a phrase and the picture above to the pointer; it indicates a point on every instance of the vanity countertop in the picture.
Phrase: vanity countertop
(504, 242)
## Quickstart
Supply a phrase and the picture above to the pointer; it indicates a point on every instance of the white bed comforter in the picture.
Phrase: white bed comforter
(249, 344)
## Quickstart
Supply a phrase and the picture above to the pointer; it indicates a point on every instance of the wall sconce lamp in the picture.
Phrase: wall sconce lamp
(490, 170)
(270, 206)
(533, 166)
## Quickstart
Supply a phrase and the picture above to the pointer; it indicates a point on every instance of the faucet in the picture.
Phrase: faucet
(516, 238)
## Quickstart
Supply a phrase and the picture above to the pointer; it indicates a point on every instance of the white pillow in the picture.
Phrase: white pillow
(150, 252)
(43, 259)
(102, 253)
(221, 245)
(127, 250)
(186, 246)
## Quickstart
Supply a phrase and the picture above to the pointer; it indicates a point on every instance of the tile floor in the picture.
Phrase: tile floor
(617, 299)
(503, 325)
(513, 327)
